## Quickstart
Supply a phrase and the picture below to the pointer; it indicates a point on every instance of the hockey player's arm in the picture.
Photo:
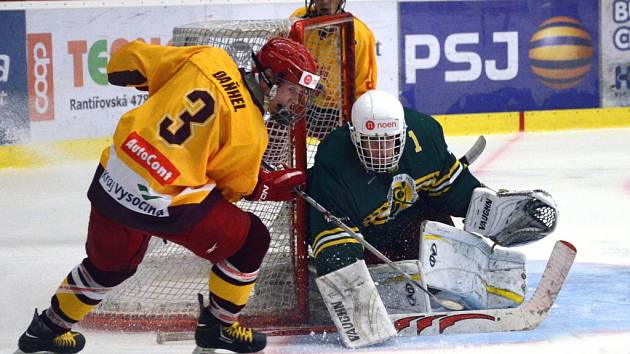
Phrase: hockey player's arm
(332, 247)
(455, 183)
(146, 66)
(130, 65)
(365, 54)
(344, 283)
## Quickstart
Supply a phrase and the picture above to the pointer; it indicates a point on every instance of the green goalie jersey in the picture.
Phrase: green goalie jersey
(381, 206)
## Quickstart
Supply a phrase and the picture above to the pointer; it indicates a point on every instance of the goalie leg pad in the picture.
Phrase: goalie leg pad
(355, 306)
(463, 264)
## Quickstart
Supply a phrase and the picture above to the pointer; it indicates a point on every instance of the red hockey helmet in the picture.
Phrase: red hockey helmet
(288, 60)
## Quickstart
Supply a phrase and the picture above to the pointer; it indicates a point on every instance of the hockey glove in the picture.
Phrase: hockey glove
(277, 185)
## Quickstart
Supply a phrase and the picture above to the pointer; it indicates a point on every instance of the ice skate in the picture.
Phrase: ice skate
(40, 338)
(211, 336)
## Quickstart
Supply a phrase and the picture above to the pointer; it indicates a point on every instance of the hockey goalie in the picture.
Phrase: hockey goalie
(389, 176)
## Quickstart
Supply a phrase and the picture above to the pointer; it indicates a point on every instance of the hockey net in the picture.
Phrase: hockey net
(161, 296)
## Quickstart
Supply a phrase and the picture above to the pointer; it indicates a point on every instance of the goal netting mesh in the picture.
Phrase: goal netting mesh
(162, 293)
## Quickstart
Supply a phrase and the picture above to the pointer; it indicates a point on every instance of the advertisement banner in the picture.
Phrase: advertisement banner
(14, 121)
(68, 51)
(615, 16)
(494, 56)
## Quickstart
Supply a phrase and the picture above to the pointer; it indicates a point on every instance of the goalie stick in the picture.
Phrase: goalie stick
(474, 151)
(527, 316)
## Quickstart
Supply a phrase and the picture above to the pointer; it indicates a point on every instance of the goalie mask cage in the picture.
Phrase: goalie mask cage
(161, 296)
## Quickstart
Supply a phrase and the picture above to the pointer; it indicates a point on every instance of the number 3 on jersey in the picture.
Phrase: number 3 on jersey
(200, 98)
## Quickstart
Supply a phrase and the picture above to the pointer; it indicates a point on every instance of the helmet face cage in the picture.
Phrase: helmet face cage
(288, 101)
(379, 153)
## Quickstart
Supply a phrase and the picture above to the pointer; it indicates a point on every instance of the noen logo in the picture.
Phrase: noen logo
(150, 158)
(40, 76)
(369, 125)
(309, 80)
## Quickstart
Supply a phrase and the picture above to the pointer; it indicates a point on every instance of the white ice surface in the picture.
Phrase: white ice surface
(43, 218)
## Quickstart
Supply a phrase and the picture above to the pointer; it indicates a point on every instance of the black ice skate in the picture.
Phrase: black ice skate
(211, 334)
(40, 338)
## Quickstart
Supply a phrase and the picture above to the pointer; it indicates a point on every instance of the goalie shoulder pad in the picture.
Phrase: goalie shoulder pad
(511, 218)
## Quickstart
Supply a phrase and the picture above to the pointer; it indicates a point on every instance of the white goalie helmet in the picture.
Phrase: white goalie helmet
(378, 130)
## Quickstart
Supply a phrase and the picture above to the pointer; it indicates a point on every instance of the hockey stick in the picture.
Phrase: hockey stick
(474, 152)
(448, 304)
(527, 316)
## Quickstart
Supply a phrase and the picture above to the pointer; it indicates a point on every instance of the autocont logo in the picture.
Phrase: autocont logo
(40, 76)
(369, 125)
(150, 158)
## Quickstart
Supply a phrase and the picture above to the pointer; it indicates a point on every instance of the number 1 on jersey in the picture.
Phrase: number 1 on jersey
(416, 143)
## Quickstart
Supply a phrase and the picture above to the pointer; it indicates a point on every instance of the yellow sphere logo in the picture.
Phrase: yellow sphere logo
(561, 52)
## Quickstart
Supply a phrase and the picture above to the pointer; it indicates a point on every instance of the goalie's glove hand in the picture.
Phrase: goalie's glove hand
(277, 185)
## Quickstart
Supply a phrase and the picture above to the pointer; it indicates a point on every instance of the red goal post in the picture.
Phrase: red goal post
(161, 296)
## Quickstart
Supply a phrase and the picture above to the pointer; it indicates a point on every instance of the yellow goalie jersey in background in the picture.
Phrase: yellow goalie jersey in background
(199, 134)
(364, 53)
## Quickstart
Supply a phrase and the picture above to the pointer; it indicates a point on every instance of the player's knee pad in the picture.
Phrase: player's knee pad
(107, 278)
(250, 256)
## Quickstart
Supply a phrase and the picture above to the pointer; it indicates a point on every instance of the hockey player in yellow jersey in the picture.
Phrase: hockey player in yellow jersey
(177, 164)
(325, 111)
(365, 45)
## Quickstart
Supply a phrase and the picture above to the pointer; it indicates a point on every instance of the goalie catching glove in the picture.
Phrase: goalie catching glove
(277, 185)
(511, 218)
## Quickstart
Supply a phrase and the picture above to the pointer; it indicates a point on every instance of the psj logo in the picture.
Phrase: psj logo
(476, 64)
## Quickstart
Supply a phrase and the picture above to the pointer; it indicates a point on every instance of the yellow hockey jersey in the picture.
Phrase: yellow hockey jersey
(364, 52)
(200, 133)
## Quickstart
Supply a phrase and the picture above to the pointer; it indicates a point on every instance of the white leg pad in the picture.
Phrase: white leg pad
(355, 306)
(400, 295)
(464, 264)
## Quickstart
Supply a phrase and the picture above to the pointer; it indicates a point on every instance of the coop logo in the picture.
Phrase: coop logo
(40, 76)
(622, 78)
(150, 158)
